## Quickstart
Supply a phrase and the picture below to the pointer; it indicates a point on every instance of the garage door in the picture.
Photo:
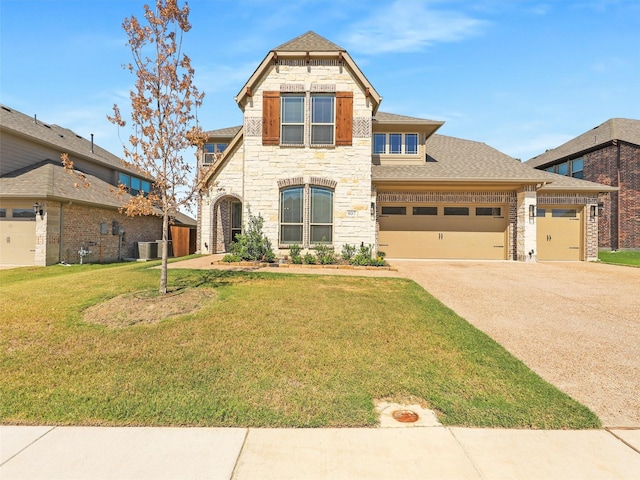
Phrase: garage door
(17, 242)
(559, 232)
(440, 231)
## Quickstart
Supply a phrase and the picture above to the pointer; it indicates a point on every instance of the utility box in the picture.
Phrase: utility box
(103, 229)
(147, 250)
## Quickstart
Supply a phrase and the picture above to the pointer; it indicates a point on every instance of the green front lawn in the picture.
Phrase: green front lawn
(623, 257)
(267, 350)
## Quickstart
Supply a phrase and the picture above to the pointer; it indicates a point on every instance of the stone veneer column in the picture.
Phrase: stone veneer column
(526, 231)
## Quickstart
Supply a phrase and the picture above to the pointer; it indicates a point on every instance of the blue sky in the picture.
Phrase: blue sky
(522, 76)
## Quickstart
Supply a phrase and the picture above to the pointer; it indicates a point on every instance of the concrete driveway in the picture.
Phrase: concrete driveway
(576, 324)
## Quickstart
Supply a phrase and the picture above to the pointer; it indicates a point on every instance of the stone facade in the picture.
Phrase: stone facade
(255, 172)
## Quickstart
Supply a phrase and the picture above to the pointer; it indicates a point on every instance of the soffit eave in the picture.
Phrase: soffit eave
(257, 74)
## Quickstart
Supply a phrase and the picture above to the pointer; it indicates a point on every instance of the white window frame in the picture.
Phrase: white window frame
(331, 124)
(403, 143)
(284, 124)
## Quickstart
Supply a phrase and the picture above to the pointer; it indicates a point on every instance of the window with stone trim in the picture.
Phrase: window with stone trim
(307, 119)
(306, 208)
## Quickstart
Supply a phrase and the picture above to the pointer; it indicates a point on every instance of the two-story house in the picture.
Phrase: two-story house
(607, 154)
(321, 164)
(49, 216)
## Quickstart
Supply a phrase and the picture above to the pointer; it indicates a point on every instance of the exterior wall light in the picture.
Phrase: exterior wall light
(37, 209)
(593, 212)
(532, 212)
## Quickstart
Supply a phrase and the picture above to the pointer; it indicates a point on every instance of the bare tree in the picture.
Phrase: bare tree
(162, 105)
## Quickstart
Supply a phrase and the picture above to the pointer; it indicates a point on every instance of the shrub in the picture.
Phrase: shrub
(309, 259)
(364, 257)
(325, 254)
(294, 252)
(229, 258)
(348, 251)
(253, 245)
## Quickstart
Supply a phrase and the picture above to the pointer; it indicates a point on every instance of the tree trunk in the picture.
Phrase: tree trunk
(165, 252)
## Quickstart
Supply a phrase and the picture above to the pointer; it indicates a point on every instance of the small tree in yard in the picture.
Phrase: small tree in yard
(162, 104)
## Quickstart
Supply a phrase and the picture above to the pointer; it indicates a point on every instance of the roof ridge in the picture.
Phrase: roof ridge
(309, 41)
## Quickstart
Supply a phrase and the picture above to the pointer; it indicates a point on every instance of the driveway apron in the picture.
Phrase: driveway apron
(576, 324)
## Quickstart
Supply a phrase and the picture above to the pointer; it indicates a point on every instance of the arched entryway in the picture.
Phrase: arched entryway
(226, 221)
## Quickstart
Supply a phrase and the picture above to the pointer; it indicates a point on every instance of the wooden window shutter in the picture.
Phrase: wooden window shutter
(271, 118)
(344, 118)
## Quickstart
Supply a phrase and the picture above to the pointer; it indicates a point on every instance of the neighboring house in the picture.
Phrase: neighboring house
(47, 215)
(607, 154)
(321, 164)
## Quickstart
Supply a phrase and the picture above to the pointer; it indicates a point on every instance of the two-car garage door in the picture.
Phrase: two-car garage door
(443, 231)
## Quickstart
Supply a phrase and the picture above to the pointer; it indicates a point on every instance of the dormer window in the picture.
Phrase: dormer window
(395, 143)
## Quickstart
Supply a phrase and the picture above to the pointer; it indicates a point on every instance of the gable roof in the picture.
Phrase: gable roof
(308, 42)
(315, 46)
(62, 139)
(455, 160)
(223, 132)
(623, 129)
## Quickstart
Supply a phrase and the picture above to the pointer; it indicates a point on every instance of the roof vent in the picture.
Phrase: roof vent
(5, 108)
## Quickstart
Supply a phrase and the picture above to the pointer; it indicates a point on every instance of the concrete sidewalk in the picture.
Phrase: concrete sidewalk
(376, 453)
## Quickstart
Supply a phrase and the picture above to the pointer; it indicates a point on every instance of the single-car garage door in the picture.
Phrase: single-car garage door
(559, 232)
(441, 231)
(17, 242)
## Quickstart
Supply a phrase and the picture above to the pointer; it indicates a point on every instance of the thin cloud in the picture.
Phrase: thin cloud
(404, 28)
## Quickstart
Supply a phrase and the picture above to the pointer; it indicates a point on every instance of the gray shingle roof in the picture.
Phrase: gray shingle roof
(624, 129)
(308, 42)
(228, 132)
(385, 117)
(50, 180)
(456, 160)
(61, 138)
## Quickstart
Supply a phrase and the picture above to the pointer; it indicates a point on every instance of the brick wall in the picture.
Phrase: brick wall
(619, 222)
(81, 228)
(629, 217)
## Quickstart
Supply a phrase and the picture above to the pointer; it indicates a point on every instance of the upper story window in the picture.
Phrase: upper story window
(577, 167)
(292, 119)
(572, 168)
(212, 152)
(134, 185)
(395, 143)
(322, 119)
(379, 143)
(307, 119)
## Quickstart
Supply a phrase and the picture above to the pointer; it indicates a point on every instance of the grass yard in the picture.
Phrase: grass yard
(622, 257)
(265, 350)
